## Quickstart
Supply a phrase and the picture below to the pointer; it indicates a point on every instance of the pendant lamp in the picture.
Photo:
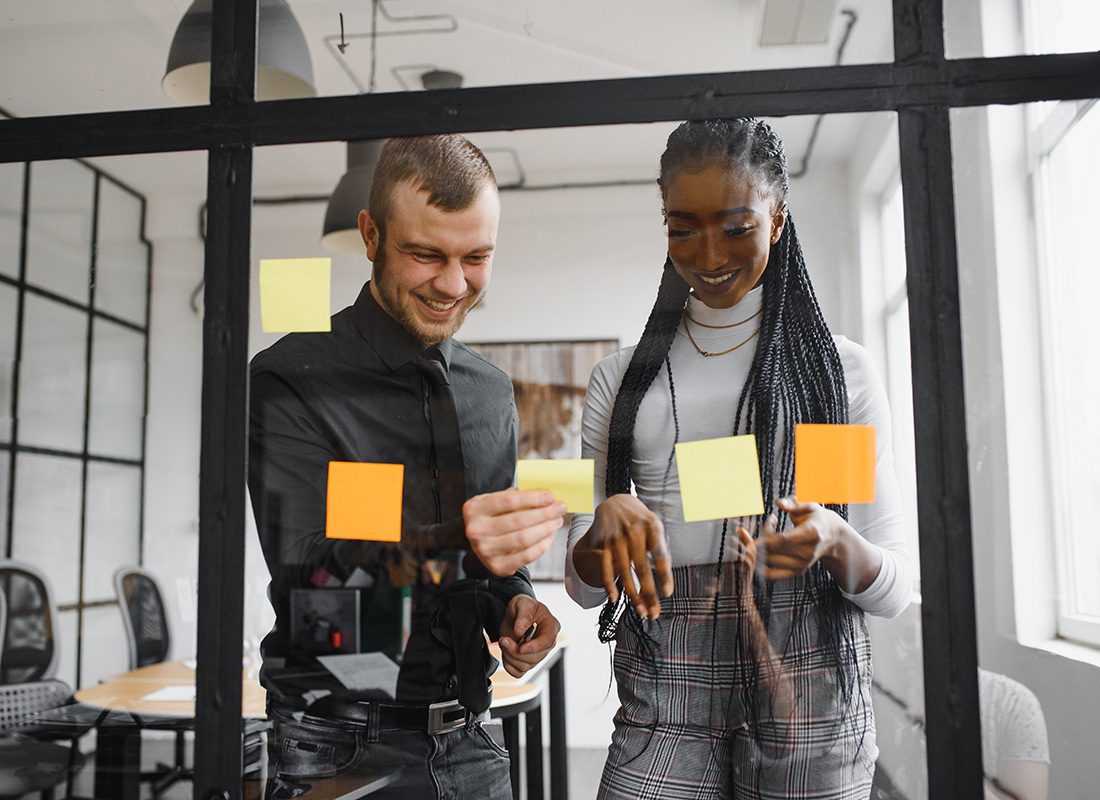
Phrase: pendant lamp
(283, 68)
(352, 193)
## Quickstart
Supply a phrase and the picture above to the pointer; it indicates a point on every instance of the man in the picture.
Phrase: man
(389, 384)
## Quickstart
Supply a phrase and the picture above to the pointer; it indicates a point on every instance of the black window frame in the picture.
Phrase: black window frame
(920, 85)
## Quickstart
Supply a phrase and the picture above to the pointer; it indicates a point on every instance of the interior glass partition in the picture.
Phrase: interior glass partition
(1021, 211)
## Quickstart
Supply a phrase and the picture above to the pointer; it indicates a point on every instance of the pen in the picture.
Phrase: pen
(529, 634)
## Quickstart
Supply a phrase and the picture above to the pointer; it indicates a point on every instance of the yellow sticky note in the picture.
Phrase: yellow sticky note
(571, 481)
(834, 463)
(719, 478)
(295, 295)
(364, 501)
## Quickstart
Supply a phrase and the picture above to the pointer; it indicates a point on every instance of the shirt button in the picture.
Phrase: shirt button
(435, 472)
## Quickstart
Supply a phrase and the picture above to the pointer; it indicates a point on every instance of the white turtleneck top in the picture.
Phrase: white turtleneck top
(707, 390)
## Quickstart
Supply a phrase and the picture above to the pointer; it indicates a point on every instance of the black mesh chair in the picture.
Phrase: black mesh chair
(143, 616)
(29, 652)
(149, 642)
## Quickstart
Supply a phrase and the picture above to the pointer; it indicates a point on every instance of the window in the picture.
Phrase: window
(1066, 171)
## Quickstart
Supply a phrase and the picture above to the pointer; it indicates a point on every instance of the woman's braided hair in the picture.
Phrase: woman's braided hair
(796, 375)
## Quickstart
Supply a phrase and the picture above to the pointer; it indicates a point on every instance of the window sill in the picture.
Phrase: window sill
(1074, 651)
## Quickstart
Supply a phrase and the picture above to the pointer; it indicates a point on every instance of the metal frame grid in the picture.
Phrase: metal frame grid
(920, 85)
(13, 446)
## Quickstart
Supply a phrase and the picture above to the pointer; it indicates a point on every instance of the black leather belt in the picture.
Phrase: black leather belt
(442, 717)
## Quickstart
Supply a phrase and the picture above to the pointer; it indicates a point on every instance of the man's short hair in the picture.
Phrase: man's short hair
(449, 167)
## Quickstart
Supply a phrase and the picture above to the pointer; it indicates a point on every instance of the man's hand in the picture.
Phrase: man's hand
(521, 613)
(510, 529)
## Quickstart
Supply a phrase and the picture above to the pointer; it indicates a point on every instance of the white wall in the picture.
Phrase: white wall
(570, 264)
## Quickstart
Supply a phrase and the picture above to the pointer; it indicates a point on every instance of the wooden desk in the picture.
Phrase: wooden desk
(119, 746)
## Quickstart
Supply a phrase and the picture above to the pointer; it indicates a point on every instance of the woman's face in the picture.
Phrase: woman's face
(720, 230)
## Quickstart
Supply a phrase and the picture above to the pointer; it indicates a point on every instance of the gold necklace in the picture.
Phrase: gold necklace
(723, 327)
(705, 354)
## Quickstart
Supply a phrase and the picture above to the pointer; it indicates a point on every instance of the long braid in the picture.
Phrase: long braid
(796, 377)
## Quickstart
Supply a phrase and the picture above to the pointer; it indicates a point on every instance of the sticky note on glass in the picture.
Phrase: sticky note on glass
(834, 463)
(295, 295)
(364, 501)
(719, 478)
(571, 480)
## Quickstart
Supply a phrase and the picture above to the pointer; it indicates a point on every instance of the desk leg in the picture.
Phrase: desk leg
(559, 747)
(511, 741)
(118, 763)
(535, 782)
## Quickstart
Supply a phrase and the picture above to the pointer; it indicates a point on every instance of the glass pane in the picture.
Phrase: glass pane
(11, 217)
(59, 234)
(51, 377)
(5, 467)
(121, 255)
(9, 301)
(1024, 27)
(427, 45)
(579, 255)
(118, 391)
(105, 653)
(104, 57)
(1030, 423)
(47, 520)
(66, 643)
(112, 526)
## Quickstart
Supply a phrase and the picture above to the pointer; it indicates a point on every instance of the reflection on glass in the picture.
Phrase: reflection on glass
(51, 377)
(11, 217)
(116, 424)
(112, 526)
(1015, 753)
(59, 234)
(121, 256)
(8, 304)
(47, 520)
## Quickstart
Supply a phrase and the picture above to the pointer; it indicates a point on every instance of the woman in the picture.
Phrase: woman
(741, 682)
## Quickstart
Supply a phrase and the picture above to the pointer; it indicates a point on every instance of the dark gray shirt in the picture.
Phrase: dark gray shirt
(354, 395)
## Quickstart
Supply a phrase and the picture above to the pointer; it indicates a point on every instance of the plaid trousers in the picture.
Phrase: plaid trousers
(682, 732)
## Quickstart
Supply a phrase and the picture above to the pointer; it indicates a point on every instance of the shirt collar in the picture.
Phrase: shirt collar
(395, 345)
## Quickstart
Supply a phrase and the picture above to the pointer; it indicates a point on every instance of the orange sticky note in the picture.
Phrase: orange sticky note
(834, 463)
(364, 501)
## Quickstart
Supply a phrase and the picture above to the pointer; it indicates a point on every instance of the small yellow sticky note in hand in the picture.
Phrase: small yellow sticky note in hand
(834, 463)
(295, 295)
(364, 501)
(719, 478)
(571, 481)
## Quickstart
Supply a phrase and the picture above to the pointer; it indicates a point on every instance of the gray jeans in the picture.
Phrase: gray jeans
(304, 751)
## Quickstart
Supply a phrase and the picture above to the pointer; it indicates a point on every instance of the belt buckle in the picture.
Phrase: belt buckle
(446, 716)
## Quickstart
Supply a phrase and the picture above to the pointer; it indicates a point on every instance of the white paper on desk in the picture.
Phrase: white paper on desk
(172, 694)
(361, 671)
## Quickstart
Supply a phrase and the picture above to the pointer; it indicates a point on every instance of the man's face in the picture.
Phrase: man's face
(432, 266)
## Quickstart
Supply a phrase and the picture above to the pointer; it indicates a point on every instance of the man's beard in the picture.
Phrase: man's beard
(406, 316)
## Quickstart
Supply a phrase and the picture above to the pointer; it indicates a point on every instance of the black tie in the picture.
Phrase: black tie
(449, 470)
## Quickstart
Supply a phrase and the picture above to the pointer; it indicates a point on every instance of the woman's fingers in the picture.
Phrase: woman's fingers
(608, 568)
(621, 552)
(658, 547)
(648, 604)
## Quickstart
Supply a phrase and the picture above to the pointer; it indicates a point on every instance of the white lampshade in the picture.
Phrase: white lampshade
(283, 69)
(352, 194)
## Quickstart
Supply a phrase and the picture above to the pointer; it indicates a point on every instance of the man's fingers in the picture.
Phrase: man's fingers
(517, 539)
(489, 525)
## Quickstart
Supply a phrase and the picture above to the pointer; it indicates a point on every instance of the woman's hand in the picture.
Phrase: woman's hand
(819, 534)
(746, 558)
(814, 537)
(622, 537)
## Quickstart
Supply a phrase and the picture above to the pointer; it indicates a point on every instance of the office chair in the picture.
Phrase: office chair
(54, 764)
(29, 652)
(143, 616)
(148, 642)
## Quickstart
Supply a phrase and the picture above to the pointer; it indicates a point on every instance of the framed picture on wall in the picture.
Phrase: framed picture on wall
(550, 379)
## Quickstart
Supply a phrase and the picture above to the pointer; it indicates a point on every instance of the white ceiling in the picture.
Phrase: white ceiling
(60, 56)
